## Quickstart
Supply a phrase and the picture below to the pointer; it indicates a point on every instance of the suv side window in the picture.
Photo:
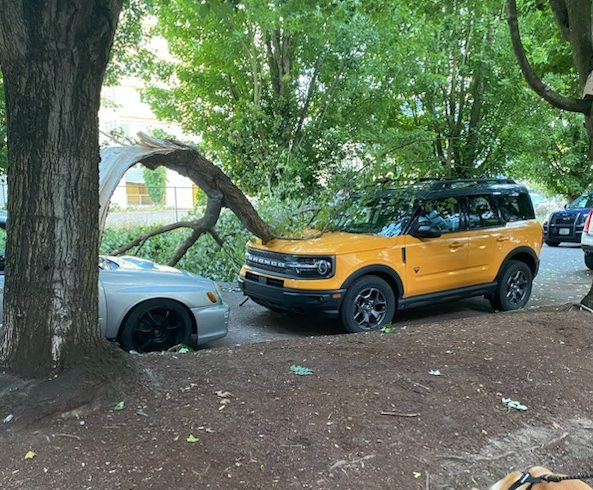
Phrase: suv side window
(444, 214)
(482, 212)
(515, 208)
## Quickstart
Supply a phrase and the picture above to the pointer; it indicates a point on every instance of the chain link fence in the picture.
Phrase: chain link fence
(140, 205)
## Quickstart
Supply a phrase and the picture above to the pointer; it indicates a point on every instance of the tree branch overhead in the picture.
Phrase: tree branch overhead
(570, 104)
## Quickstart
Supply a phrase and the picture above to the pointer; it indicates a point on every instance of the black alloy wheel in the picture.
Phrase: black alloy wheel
(368, 304)
(514, 287)
(156, 325)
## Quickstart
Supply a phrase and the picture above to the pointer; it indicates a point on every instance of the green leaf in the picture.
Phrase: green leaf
(120, 405)
(210, 430)
(388, 329)
(301, 370)
(30, 455)
(509, 403)
(192, 439)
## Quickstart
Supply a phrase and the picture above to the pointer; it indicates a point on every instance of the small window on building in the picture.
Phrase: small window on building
(482, 212)
(515, 208)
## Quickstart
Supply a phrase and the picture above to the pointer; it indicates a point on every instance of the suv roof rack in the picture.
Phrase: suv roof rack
(451, 183)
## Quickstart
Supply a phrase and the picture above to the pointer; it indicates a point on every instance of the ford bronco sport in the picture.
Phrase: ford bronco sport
(402, 247)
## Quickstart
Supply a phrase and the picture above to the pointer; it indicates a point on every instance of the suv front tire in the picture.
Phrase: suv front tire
(514, 287)
(368, 304)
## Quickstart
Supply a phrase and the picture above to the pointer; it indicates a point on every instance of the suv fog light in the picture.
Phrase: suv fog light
(324, 267)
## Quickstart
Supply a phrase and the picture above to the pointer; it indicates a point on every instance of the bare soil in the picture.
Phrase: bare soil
(370, 416)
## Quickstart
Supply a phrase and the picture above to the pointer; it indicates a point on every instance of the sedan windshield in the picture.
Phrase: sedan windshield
(585, 201)
(386, 214)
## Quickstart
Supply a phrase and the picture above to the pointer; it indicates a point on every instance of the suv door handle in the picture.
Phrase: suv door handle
(502, 238)
(455, 245)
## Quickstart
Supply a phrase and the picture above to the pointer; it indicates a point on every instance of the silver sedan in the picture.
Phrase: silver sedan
(149, 307)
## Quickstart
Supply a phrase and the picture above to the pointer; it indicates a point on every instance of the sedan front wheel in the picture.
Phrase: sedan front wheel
(156, 325)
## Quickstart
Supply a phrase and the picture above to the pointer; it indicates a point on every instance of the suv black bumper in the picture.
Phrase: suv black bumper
(552, 233)
(324, 303)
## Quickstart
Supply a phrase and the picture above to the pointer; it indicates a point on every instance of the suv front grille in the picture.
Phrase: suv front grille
(564, 219)
(267, 261)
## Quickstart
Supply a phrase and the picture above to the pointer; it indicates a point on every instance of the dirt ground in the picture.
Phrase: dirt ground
(370, 416)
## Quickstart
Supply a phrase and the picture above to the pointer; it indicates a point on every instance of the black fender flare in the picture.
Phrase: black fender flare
(516, 252)
(380, 270)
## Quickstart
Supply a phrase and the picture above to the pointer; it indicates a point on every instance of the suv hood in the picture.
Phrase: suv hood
(572, 212)
(329, 244)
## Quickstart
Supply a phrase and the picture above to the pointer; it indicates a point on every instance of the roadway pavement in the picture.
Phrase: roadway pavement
(563, 278)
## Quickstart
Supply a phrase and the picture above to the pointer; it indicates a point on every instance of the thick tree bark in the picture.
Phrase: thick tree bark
(53, 56)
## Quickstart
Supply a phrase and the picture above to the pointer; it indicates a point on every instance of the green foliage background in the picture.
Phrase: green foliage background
(156, 181)
(285, 94)
(206, 257)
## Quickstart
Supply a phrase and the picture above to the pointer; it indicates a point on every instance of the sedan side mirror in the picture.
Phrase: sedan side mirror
(426, 231)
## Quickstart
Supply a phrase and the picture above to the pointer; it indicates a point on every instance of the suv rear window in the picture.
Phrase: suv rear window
(515, 208)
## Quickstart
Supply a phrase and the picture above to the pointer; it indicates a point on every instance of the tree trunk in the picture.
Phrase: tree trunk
(53, 56)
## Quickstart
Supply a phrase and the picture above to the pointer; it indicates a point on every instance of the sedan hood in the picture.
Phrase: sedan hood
(329, 244)
(144, 272)
(130, 263)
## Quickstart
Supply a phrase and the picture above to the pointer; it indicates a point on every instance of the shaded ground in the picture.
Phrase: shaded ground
(327, 430)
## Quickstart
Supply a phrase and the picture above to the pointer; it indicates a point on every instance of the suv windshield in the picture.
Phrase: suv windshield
(387, 213)
(585, 201)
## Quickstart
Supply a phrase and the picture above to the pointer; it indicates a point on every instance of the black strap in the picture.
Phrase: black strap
(526, 477)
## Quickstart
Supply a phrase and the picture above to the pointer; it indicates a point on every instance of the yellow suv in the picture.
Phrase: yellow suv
(403, 247)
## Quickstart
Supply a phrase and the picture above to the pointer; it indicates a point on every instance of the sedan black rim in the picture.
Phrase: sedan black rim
(369, 308)
(517, 288)
(158, 329)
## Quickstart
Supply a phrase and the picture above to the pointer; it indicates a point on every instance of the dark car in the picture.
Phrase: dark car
(567, 225)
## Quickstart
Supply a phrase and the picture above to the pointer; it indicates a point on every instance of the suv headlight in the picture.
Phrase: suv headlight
(311, 267)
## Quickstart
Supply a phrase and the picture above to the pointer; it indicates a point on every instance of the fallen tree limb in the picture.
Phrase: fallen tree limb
(189, 162)
(185, 160)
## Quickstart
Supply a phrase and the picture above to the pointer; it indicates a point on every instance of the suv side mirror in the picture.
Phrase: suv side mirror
(425, 231)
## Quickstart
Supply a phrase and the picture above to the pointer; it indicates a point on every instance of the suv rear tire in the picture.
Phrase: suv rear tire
(589, 260)
(368, 304)
(550, 243)
(514, 287)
